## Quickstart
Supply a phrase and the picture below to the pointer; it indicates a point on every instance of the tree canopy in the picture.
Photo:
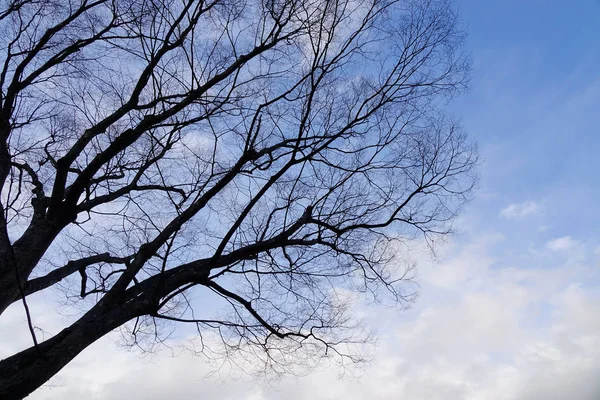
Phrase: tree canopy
(233, 165)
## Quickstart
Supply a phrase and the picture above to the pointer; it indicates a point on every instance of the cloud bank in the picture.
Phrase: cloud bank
(483, 329)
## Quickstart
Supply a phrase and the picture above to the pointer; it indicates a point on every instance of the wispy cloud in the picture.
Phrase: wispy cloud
(521, 210)
(562, 244)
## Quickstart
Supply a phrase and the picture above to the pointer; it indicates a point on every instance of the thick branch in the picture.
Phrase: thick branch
(43, 282)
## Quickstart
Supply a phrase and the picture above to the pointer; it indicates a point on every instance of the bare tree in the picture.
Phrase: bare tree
(265, 153)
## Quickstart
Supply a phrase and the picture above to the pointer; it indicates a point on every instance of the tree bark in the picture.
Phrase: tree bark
(28, 251)
(29, 369)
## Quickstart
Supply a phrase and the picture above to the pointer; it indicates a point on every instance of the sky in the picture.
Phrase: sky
(509, 307)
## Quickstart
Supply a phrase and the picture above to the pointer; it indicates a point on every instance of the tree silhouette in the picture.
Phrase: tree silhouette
(262, 154)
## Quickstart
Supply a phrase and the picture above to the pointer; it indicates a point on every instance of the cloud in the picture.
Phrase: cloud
(520, 210)
(484, 329)
(562, 244)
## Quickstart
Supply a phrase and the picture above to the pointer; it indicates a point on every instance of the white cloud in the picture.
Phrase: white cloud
(521, 210)
(564, 243)
(482, 330)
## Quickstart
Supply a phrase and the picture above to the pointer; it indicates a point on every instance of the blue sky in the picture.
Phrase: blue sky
(534, 107)
(509, 307)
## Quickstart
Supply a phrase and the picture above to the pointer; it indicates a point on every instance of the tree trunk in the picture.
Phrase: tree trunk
(28, 250)
(29, 369)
